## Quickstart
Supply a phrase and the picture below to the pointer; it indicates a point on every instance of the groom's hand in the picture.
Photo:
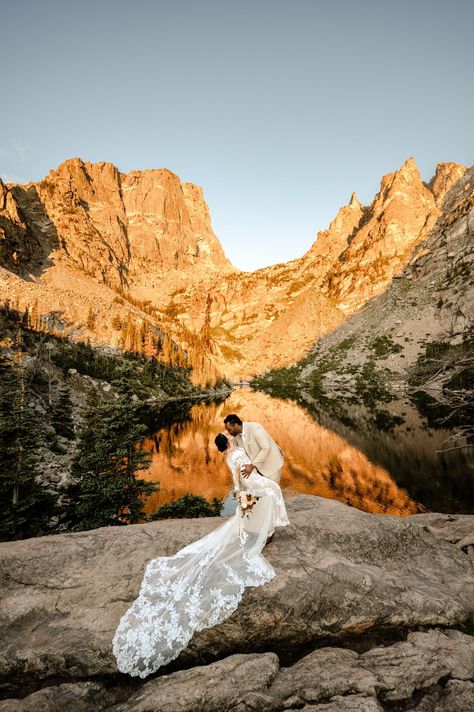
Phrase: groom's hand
(247, 470)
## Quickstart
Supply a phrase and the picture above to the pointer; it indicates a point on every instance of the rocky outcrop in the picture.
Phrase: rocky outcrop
(401, 215)
(121, 228)
(365, 610)
(332, 242)
(445, 176)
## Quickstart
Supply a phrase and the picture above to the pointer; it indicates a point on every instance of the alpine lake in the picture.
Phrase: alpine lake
(412, 467)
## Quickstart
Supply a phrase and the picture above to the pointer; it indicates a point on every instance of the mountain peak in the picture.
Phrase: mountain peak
(354, 202)
(409, 164)
(74, 162)
(408, 171)
(407, 175)
(445, 176)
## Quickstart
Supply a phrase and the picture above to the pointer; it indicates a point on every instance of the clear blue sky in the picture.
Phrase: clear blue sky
(279, 110)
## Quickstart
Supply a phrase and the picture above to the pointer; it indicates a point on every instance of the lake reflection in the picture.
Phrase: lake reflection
(317, 461)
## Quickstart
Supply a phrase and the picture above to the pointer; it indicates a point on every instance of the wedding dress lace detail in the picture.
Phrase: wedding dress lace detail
(202, 584)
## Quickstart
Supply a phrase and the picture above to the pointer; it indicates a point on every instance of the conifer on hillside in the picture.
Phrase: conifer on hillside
(62, 420)
(104, 489)
(25, 504)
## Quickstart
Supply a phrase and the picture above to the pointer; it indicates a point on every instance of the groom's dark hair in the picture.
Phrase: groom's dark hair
(233, 419)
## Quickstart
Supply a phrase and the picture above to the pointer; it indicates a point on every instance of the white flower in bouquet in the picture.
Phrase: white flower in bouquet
(246, 502)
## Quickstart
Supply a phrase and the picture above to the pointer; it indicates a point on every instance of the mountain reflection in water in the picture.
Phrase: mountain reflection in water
(317, 461)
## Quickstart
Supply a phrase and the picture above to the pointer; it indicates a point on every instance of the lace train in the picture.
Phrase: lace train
(201, 585)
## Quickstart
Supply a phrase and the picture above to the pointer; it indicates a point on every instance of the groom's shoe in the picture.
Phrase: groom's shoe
(269, 539)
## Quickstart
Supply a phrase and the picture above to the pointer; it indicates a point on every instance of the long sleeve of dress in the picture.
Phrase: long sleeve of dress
(234, 468)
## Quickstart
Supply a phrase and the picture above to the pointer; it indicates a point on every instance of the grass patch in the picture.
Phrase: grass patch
(369, 385)
(189, 506)
(383, 346)
(466, 625)
(346, 344)
(282, 383)
(383, 420)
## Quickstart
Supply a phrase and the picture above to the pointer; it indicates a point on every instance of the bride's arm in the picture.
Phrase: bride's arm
(232, 465)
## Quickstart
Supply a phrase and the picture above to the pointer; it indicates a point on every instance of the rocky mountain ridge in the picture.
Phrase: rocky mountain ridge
(87, 231)
(87, 244)
(121, 228)
(431, 298)
(271, 317)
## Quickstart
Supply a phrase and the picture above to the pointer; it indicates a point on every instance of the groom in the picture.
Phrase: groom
(262, 450)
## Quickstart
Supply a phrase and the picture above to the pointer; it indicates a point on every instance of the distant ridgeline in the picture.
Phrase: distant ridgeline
(129, 260)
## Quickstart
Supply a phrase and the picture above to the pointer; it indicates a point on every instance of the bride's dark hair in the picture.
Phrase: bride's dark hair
(222, 442)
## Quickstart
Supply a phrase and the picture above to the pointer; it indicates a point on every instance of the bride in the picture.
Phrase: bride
(202, 584)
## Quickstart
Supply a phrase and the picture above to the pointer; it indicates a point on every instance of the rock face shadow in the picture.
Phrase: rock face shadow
(29, 234)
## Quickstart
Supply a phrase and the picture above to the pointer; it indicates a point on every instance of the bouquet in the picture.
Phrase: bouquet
(246, 502)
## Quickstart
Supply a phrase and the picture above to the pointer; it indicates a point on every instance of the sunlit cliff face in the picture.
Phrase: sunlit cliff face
(139, 247)
(317, 461)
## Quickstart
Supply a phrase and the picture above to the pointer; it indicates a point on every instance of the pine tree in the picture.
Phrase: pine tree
(137, 341)
(180, 356)
(206, 327)
(105, 489)
(26, 318)
(142, 333)
(62, 419)
(34, 317)
(166, 349)
(25, 504)
(117, 322)
(127, 333)
(150, 346)
(90, 322)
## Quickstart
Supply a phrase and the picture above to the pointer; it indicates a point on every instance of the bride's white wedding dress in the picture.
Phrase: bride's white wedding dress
(202, 584)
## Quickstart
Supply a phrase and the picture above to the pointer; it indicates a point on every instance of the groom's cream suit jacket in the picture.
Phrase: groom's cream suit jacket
(262, 450)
